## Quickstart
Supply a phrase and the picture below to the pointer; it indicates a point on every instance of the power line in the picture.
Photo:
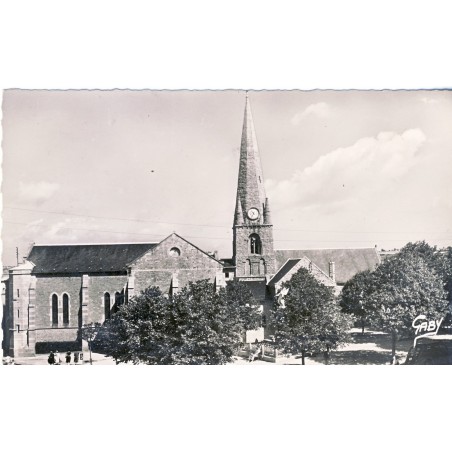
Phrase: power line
(111, 218)
(222, 226)
(203, 237)
(111, 232)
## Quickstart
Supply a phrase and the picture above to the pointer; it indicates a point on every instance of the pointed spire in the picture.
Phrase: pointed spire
(250, 187)
(267, 213)
(238, 217)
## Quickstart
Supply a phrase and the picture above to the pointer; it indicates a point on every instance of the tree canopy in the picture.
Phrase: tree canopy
(355, 296)
(308, 317)
(195, 326)
(407, 285)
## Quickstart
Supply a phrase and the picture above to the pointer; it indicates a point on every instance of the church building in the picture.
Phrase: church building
(59, 288)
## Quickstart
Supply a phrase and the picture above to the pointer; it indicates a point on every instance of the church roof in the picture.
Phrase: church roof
(85, 258)
(284, 270)
(348, 262)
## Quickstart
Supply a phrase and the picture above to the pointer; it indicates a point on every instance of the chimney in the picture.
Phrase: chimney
(332, 271)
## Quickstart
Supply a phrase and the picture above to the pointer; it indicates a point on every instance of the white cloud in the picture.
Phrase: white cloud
(320, 110)
(38, 191)
(354, 174)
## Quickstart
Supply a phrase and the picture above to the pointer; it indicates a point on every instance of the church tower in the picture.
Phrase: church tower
(253, 251)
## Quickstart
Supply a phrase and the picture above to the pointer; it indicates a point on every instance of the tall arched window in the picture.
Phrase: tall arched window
(107, 307)
(119, 300)
(255, 244)
(54, 310)
(65, 309)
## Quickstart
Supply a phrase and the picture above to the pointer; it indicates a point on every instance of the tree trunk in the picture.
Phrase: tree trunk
(327, 355)
(90, 358)
(302, 357)
(362, 325)
(394, 341)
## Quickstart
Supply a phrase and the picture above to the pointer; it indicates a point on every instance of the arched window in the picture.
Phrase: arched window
(119, 300)
(65, 309)
(255, 244)
(262, 267)
(174, 252)
(107, 307)
(54, 310)
(248, 267)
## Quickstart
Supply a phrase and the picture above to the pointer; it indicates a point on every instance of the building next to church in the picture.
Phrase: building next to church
(59, 288)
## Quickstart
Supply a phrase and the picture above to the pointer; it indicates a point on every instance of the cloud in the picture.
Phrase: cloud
(354, 174)
(320, 110)
(38, 191)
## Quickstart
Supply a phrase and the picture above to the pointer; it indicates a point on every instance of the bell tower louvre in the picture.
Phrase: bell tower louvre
(253, 251)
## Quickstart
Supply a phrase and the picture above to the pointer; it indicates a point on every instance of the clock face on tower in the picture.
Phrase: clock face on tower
(253, 214)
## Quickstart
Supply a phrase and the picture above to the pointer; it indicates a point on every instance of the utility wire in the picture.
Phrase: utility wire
(199, 237)
(222, 226)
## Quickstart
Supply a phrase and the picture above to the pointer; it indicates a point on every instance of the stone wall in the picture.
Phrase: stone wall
(98, 286)
(174, 257)
(242, 248)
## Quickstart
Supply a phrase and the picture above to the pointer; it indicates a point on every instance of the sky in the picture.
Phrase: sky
(343, 169)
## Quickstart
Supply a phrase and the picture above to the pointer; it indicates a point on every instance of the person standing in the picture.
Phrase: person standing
(51, 358)
(57, 358)
(75, 357)
(68, 357)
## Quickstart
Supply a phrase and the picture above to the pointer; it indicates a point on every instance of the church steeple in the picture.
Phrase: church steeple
(250, 187)
(238, 217)
(253, 232)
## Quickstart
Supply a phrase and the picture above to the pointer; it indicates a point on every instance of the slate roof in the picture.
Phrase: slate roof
(284, 270)
(85, 258)
(348, 262)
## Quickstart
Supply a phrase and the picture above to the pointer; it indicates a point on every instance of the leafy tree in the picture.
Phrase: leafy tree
(440, 261)
(406, 286)
(447, 256)
(355, 296)
(308, 318)
(196, 326)
(89, 333)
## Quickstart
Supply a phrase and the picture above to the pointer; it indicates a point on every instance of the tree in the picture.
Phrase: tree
(447, 259)
(195, 326)
(356, 294)
(440, 261)
(89, 333)
(406, 285)
(308, 318)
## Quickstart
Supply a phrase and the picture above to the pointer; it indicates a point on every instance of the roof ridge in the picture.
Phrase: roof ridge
(324, 249)
(94, 244)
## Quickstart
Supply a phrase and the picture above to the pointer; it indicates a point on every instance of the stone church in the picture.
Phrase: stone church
(59, 288)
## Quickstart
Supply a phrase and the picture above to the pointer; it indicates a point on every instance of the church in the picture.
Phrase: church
(59, 288)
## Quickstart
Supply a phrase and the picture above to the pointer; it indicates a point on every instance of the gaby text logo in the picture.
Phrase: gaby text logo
(427, 327)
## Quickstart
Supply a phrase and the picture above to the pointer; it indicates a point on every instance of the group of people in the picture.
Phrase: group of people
(55, 358)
